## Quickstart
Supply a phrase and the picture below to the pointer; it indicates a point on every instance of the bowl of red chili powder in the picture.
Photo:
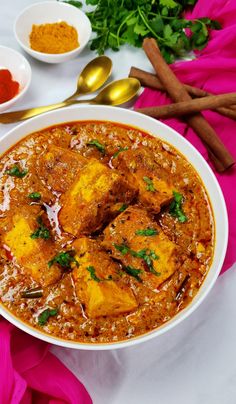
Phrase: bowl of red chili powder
(15, 77)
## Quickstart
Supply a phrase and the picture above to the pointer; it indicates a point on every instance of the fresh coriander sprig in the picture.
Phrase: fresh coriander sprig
(129, 22)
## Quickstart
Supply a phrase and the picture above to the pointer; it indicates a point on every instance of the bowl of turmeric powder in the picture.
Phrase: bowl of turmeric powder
(52, 32)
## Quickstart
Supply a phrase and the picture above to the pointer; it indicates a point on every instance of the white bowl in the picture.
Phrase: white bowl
(51, 12)
(157, 129)
(20, 70)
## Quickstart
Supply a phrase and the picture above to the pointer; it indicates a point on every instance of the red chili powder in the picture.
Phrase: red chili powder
(8, 87)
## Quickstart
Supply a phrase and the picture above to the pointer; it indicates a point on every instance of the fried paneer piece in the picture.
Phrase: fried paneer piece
(138, 242)
(59, 167)
(96, 282)
(143, 173)
(89, 201)
(31, 254)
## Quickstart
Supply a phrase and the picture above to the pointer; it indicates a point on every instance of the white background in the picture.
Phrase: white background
(195, 362)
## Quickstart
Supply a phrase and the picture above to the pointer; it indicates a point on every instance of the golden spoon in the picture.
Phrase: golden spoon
(93, 76)
(116, 93)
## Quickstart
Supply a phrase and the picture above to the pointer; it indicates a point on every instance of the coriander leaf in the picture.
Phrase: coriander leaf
(146, 232)
(176, 207)
(45, 315)
(167, 31)
(35, 196)
(150, 187)
(93, 275)
(133, 272)
(42, 231)
(148, 256)
(168, 3)
(64, 259)
(123, 208)
(97, 144)
(121, 149)
(157, 24)
(124, 249)
(15, 171)
(140, 29)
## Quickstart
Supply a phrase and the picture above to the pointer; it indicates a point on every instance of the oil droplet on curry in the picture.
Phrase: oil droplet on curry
(106, 232)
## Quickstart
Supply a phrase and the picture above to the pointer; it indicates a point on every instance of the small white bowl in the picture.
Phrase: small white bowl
(20, 70)
(51, 12)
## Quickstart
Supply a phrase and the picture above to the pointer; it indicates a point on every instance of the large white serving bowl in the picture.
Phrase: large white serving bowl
(51, 12)
(159, 130)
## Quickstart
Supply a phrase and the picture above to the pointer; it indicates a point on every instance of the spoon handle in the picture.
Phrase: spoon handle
(16, 116)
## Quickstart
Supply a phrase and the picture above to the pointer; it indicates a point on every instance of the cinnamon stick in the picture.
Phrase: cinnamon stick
(189, 107)
(178, 93)
(151, 80)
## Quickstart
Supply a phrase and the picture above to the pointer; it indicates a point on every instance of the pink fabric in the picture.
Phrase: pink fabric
(215, 71)
(29, 373)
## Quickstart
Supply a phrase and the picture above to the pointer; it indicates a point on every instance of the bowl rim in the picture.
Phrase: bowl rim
(197, 300)
(55, 56)
(12, 101)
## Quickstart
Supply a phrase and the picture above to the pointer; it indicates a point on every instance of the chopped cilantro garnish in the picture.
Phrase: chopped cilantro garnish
(147, 255)
(121, 149)
(124, 249)
(93, 275)
(35, 196)
(64, 259)
(176, 207)
(15, 171)
(97, 144)
(133, 272)
(42, 231)
(150, 186)
(123, 208)
(146, 232)
(44, 316)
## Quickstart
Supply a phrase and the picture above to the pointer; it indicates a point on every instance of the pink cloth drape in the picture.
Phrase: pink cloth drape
(214, 70)
(29, 373)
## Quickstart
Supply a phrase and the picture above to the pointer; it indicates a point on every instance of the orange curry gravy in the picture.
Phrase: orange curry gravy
(146, 257)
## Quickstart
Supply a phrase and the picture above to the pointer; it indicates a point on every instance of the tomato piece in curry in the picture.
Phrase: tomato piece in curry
(106, 233)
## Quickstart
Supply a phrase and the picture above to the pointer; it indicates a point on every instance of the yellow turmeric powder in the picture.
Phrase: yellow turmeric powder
(58, 37)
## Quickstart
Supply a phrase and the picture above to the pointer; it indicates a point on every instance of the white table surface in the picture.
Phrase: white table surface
(196, 361)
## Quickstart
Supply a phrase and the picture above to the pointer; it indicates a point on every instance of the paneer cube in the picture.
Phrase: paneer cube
(152, 181)
(138, 242)
(89, 201)
(59, 167)
(97, 285)
(31, 254)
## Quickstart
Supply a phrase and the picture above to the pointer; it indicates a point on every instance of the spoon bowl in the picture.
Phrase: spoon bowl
(118, 92)
(93, 76)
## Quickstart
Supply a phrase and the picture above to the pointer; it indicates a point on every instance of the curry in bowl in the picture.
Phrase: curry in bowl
(106, 232)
